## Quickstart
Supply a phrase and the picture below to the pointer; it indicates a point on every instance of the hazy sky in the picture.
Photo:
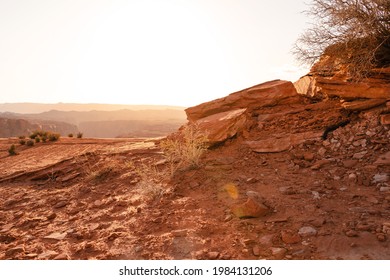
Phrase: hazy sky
(176, 52)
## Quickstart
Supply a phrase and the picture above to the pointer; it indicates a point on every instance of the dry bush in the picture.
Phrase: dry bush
(99, 172)
(353, 33)
(151, 179)
(185, 149)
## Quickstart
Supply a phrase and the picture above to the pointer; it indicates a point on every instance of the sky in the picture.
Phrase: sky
(162, 52)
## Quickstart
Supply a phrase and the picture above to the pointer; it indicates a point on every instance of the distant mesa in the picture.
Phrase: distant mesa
(141, 121)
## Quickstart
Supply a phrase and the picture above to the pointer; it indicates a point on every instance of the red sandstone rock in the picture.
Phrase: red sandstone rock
(263, 95)
(360, 105)
(385, 119)
(222, 126)
(250, 209)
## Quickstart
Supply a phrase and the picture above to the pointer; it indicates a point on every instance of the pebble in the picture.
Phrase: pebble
(266, 240)
(62, 256)
(279, 253)
(52, 216)
(384, 189)
(250, 209)
(228, 218)
(199, 255)
(316, 195)
(287, 190)
(309, 156)
(212, 255)
(56, 236)
(322, 151)
(351, 233)
(352, 176)
(381, 237)
(319, 164)
(359, 155)
(61, 204)
(307, 231)
(99, 203)
(379, 178)
(256, 251)
(47, 254)
(290, 237)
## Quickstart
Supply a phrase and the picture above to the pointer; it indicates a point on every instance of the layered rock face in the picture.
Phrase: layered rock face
(366, 93)
(263, 95)
(236, 113)
(277, 115)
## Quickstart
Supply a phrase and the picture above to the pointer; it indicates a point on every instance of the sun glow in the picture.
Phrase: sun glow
(142, 52)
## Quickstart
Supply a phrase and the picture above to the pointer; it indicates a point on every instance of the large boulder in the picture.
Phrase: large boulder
(267, 94)
(222, 126)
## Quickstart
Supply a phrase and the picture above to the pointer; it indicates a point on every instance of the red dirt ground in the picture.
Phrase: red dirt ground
(95, 198)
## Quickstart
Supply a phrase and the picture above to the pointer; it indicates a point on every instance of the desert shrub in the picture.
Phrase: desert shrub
(70, 135)
(44, 138)
(38, 133)
(37, 139)
(186, 149)
(12, 150)
(151, 179)
(353, 33)
(53, 136)
(22, 137)
(79, 135)
(22, 141)
(30, 143)
(99, 172)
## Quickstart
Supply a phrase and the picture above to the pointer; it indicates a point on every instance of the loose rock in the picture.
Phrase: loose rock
(307, 231)
(250, 209)
(290, 237)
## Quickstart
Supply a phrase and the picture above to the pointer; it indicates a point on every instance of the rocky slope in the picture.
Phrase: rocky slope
(286, 176)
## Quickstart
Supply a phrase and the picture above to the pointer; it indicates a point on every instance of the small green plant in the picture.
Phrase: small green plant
(30, 143)
(22, 137)
(12, 150)
(44, 138)
(70, 135)
(22, 142)
(37, 139)
(79, 135)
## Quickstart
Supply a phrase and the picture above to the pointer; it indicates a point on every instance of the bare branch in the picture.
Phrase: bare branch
(355, 33)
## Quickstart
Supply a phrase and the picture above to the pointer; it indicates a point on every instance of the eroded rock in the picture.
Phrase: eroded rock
(262, 95)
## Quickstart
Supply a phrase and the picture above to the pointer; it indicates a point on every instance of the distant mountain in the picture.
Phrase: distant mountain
(18, 127)
(129, 128)
(124, 122)
(35, 108)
